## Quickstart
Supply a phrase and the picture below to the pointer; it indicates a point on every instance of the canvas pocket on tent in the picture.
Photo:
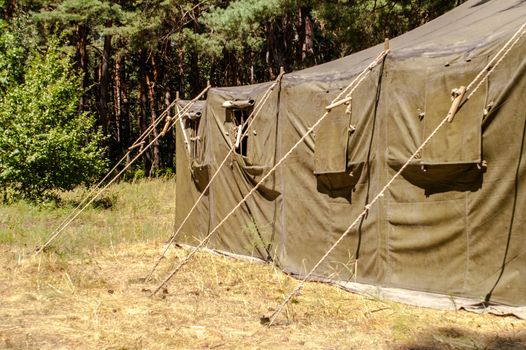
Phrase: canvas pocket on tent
(200, 175)
(330, 150)
(344, 138)
(332, 135)
(457, 142)
(452, 159)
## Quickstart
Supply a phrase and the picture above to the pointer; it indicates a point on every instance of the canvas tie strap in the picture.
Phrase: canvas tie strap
(345, 93)
(250, 120)
(81, 207)
(477, 82)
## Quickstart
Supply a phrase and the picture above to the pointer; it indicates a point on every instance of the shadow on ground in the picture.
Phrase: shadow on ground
(455, 338)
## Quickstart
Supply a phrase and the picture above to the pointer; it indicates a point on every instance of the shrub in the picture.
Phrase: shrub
(46, 143)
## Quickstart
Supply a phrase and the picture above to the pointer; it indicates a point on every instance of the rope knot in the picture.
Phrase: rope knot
(456, 92)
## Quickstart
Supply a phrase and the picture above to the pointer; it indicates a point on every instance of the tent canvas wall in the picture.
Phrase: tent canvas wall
(451, 227)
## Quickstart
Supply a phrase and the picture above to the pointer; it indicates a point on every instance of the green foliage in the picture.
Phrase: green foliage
(46, 144)
(11, 57)
(16, 40)
(355, 25)
(238, 25)
(95, 13)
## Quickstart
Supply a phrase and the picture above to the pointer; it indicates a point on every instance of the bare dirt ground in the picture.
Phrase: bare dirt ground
(99, 301)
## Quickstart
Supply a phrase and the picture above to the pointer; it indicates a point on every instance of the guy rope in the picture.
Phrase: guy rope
(456, 104)
(250, 120)
(140, 141)
(348, 90)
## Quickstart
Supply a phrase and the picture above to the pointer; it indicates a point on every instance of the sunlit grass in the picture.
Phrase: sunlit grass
(127, 212)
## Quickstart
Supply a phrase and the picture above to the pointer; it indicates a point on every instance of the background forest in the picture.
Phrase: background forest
(81, 79)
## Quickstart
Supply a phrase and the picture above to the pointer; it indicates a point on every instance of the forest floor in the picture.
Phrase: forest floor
(88, 292)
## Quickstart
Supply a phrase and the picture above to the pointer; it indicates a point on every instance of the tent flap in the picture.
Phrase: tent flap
(458, 142)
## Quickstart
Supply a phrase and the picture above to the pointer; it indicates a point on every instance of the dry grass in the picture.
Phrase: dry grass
(92, 296)
(100, 302)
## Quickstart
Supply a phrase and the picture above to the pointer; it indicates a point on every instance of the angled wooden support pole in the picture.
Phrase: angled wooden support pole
(343, 101)
(169, 119)
(140, 144)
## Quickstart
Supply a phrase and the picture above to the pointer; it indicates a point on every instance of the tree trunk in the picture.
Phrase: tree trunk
(194, 73)
(170, 140)
(156, 163)
(180, 67)
(278, 44)
(9, 10)
(117, 99)
(143, 120)
(125, 108)
(82, 61)
(103, 86)
(307, 34)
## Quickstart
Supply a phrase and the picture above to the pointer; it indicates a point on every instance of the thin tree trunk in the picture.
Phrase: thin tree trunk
(103, 85)
(9, 9)
(305, 34)
(143, 120)
(117, 99)
(82, 61)
(170, 140)
(194, 73)
(156, 163)
(125, 109)
(180, 66)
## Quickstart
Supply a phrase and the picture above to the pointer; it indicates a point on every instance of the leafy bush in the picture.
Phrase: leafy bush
(11, 57)
(46, 143)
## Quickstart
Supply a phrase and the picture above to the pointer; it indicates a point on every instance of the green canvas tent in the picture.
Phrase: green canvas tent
(450, 231)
